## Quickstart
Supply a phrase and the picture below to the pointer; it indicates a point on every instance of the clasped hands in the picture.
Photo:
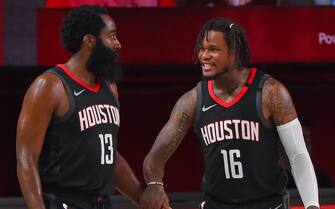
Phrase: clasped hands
(154, 197)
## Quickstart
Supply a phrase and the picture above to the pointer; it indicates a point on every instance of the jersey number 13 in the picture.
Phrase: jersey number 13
(106, 141)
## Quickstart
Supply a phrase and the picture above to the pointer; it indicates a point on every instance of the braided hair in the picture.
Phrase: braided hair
(234, 36)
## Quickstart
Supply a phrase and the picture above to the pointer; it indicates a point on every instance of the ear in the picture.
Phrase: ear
(89, 41)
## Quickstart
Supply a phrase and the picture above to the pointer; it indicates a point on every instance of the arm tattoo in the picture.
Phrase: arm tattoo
(279, 102)
(179, 123)
(170, 136)
(182, 128)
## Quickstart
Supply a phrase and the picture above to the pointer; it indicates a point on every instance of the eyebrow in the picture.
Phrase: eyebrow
(211, 45)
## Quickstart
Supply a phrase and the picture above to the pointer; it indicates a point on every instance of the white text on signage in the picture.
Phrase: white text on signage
(326, 38)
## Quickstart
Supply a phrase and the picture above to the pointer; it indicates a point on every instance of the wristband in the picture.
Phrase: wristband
(155, 183)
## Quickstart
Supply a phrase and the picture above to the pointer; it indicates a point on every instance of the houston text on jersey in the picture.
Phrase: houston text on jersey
(230, 129)
(98, 114)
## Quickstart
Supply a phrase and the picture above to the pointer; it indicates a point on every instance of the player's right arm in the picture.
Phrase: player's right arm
(166, 143)
(39, 104)
(278, 106)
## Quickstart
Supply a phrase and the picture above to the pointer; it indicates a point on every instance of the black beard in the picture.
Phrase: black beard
(104, 63)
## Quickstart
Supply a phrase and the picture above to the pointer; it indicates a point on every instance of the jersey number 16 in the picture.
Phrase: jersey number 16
(229, 161)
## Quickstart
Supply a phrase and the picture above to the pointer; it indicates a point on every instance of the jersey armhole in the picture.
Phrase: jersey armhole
(110, 90)
(69, 96)
(259, 108)
(198, 104)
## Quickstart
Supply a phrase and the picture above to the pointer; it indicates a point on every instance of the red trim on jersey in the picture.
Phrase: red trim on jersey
(94, 89)
(237, 97)
(251, 75)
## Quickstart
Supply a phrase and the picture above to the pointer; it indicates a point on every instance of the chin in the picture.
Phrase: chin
(208, 73)
(209, 76)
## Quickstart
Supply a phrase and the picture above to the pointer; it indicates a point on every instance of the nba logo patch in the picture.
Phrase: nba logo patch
(65, 206)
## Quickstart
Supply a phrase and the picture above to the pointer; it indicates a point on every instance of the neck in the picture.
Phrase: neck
(77, 65)
(231, 82)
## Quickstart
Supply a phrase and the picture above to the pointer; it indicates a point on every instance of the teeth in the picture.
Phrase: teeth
(206, 66)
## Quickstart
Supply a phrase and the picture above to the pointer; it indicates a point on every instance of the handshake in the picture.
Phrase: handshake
(154, 197)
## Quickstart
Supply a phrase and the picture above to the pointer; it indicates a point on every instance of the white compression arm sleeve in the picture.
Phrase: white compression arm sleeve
(302, 168)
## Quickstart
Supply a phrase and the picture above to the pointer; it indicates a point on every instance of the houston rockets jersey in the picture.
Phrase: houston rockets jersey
(240, 147)
(80, 148)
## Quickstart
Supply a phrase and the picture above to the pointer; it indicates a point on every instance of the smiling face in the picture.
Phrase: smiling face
(214, 55)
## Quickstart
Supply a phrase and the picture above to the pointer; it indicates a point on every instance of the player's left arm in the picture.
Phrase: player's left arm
(278, 105)
(125, 180)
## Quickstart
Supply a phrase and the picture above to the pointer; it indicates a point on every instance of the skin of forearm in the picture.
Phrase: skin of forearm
(126, 182)
(30, 185)
(165, 145)
(152, 171)
(131, 192)
(129, 187)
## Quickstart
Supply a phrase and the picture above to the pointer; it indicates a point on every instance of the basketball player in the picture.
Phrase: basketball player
(240, 115)
(68, 126)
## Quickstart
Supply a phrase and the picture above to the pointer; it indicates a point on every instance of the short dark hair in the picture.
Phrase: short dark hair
(79, 22)
(235, 38)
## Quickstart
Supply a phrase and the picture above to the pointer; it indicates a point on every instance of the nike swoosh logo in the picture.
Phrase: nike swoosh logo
(77, 93)
(204, 108)
(202, 205)
(278, 206)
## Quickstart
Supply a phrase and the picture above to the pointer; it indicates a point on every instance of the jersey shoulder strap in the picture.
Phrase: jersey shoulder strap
(68, 91)
(259, 101)
(198, 103)
(109, 89)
